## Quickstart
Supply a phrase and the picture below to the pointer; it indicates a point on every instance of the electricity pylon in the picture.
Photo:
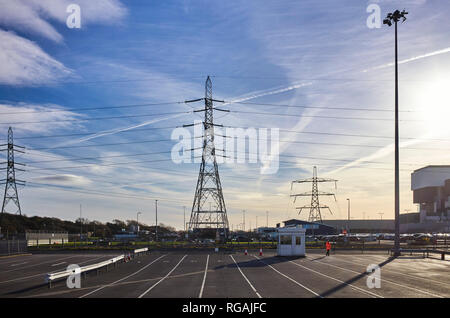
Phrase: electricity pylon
(11, 181)
(314, 209)
(212, 216)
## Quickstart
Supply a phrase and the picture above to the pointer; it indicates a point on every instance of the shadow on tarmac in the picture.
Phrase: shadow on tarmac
(355, 278)
(263, 262)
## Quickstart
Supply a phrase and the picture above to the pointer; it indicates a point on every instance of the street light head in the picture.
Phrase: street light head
(395, 16)
(387, 21)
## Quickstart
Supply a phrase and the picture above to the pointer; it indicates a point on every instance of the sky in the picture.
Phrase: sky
(96, 106)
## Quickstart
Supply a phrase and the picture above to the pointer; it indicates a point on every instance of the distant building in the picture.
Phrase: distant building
(362, 226)
(43, 238)
(311, 227)
(268, 232)
(125, 237)
(431, 190)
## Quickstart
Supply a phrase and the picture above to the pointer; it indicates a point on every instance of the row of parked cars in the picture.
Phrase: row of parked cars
(415, 238)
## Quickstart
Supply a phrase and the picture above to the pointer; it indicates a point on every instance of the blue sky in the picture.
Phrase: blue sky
(304, 53)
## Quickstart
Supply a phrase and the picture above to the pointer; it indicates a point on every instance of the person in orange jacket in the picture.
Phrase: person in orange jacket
(328, 248)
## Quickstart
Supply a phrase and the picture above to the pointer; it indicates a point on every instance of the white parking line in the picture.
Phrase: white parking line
(254, 289)
(385, 280)
(340, 281)
(399, 273)
(58, 264)
(12, 265)
(33, 265)
(204, 277)
(291, 279)
(41, 274)
(117, 281)
(154, 285)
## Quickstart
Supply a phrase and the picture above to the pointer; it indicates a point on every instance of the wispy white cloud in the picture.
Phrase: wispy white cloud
(33, 113)
(32, 15)
(64, 179)
(25, 63)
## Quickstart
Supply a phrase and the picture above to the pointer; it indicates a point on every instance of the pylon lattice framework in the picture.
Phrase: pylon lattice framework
(315, 214)
(209, 188)
(11, 182)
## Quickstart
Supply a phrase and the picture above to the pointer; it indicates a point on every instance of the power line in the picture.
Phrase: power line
(96, 133)
(226, 126)
(93, 119)
(322, 117)
(318, 107)
(89, 108)
(110, 194)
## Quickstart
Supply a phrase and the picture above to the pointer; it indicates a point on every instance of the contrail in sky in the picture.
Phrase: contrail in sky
(117, 130)
(268, 92)
(419, 57)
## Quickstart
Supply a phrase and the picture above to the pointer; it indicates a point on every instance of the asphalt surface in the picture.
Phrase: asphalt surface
(209, 274)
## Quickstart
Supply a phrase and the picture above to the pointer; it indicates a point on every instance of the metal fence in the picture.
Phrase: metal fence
(11, 247)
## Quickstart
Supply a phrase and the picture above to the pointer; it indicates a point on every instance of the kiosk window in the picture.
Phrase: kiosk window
(298, 240)
(285, 239)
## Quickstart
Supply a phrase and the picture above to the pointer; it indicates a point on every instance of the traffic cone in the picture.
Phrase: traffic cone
(245, 253)
(260, 252)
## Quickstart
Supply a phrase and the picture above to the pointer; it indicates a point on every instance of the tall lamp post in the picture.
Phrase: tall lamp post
(137, 221)
(156, 228)
(395, 17)
(348, 212)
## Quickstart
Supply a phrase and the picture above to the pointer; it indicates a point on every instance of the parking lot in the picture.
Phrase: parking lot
(211, 274)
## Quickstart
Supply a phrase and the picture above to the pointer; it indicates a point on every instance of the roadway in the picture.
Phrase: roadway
(208, 274)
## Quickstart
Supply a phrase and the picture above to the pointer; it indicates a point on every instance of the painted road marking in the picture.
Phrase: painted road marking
(254, 289)
(12, 265)
(385, 280)
(117, 281)
(59, 264)
(340, 281)
(41, 274)
(154, 285)
(400, 273)
(291, 279)
(33, 265)
(204, 277)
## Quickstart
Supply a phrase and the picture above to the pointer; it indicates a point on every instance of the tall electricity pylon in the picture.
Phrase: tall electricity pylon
(211, 216)
(11, 181)
(314, 209)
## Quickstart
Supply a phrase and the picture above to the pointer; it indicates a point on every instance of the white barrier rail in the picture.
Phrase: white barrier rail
(141, 250)
(49, 278)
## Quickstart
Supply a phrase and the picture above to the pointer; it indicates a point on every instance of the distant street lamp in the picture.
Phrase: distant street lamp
(156, 213)
(137, 221)
(395, 17)
(348, 212)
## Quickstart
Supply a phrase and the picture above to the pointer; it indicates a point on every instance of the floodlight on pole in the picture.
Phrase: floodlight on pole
(137, 222)
(395, 17)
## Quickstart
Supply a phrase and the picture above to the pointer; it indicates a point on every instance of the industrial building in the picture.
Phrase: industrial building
(431, 191)
(362, 226)
(44, 238)
(312, 228)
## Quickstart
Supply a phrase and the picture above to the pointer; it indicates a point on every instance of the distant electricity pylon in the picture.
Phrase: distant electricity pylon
(11, 181)
(209, 188)
(314, 209)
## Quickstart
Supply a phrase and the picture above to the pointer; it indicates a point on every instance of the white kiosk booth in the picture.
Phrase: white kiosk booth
(291, 241)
